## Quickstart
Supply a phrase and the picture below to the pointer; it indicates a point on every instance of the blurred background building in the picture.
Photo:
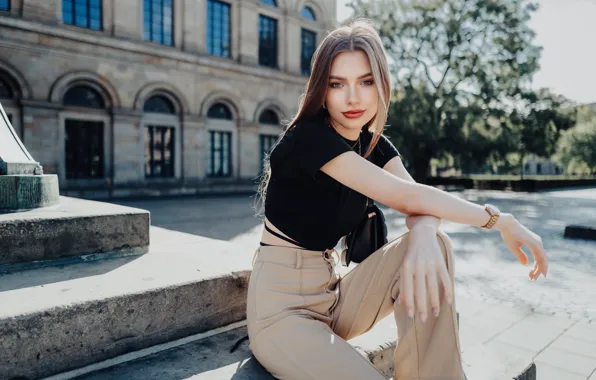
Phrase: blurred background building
(117, 97)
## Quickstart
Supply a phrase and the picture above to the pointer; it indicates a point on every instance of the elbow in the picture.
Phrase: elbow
(412, 204)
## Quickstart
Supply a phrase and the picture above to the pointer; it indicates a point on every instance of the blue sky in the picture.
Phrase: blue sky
(566, 29)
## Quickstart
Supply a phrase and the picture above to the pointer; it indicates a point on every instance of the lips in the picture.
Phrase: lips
(353, 114)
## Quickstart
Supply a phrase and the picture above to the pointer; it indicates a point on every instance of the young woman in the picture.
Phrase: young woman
(330, 158)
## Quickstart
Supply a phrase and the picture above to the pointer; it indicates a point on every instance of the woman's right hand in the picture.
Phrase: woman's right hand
(515, 235)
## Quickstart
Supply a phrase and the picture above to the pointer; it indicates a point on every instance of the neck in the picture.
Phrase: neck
(349, 134)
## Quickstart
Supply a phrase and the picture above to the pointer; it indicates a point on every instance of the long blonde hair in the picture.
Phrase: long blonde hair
(360, 35)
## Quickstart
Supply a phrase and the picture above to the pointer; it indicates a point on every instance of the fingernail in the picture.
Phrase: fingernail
(423, 317)
(436, 311)
(449, 300)
(411, 314)
(398, 300)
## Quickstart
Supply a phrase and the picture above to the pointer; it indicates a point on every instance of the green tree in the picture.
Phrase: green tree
(538, 120)
(451, 54)
(576, 150)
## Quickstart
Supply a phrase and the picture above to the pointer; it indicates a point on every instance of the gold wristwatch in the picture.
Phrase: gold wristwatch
(494, 213)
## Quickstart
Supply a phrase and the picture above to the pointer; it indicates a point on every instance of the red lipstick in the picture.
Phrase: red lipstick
(353, 114)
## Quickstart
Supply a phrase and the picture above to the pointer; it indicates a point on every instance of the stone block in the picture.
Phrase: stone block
(55, 319)
(72, 228)
(24, 192)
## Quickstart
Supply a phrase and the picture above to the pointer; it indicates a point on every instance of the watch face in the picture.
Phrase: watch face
(493, 209)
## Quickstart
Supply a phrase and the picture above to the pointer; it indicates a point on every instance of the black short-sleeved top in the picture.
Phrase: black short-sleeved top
(303, 202)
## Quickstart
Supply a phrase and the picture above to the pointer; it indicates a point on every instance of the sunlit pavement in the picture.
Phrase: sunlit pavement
(485, 269)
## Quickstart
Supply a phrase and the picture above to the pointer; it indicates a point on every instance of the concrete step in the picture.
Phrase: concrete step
(57, 318)
(209, 357)
(72, 228)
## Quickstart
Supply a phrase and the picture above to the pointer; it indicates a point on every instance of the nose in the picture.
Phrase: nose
(353, 96)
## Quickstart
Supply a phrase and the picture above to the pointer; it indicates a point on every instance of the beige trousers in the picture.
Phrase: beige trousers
(301, 313)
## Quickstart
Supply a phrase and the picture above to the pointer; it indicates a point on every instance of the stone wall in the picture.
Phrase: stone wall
(44, 58)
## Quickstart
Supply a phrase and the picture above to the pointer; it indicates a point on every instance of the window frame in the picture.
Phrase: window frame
(74, 15)
(171, 120)
(269, 138)
(304, 65)
(171, 173)
(92, 115)
(275, 45)
(312, 12)
(8, 7)
(211, 28)
(209, 172)
(151, 23)
(272, 5)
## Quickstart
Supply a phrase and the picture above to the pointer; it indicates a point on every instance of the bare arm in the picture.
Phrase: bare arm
(407, 197)
(396, 167)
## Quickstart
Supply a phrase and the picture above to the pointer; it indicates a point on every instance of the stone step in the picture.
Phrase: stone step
(58, 318)
(74, 227)
(210, 358)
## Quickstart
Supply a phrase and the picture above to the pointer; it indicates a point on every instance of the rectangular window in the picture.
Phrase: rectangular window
(218, 28)
(4, 5)
(266, 143)
(267, 41)
(82, 13)
(158, 21)
(220, 157)
(309, 41)
(84, 149)
(159, 151)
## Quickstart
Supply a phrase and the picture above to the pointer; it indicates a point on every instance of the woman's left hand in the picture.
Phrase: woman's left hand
(423, 271)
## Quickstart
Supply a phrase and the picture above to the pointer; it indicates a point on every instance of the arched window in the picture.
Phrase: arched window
(308, 14)
(84, 136)
(160, 126)
(269, 117)
(271, 3)
(159, 104)
(83, 96)
(221, 136)
(219, 111)
(6, 91)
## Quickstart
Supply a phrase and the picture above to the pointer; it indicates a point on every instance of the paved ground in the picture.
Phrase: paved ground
(485, 268)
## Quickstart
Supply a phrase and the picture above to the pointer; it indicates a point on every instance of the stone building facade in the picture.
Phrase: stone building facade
(124, 97)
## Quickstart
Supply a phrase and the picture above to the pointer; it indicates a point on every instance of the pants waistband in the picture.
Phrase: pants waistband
(293, 256)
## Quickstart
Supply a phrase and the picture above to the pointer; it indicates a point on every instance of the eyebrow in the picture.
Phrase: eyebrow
(340, 78)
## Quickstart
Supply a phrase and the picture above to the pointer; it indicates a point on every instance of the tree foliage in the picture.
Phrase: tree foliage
(577, 147)
(456, 64)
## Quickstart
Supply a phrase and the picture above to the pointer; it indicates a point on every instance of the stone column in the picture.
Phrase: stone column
(41, 131)
(179, 22)
(248, 33)
(194, 148)
(194, 26)
(128, 149)
(249, 151)
(294, 43)
(44, 11)
(128, 19)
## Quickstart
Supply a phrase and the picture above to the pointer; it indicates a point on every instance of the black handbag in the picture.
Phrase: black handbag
(367, 237)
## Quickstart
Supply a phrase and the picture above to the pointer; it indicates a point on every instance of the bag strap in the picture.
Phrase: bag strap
(282, 237)
(369, 202)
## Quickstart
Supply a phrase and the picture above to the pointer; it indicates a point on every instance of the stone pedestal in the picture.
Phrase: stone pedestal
(22, 183)
(23, 192)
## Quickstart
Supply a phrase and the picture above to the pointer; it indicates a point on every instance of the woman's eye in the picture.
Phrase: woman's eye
(368, 82)
(335, 85)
